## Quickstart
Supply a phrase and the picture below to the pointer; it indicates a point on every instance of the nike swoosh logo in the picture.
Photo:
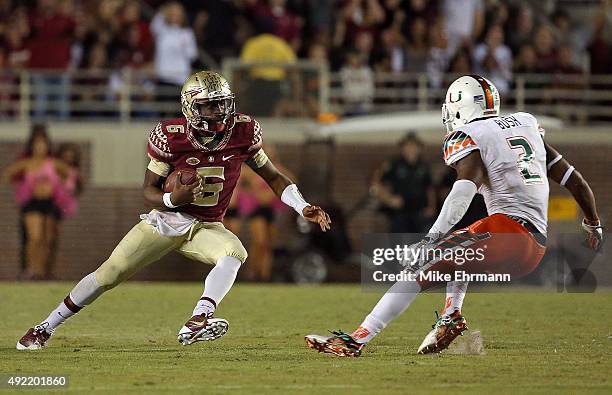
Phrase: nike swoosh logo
(227, 157)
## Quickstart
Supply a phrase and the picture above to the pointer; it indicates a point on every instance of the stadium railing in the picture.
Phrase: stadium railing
(300, 90)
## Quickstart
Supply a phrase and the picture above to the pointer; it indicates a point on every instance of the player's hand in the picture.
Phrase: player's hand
(185, 194)
(317, 215)
(594, 231)
(417, 254)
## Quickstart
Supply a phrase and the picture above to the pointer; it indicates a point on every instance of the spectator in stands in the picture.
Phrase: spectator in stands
(394, 15)
(354, 17)
(357, 80)
(273, 16)
(417, 46)
(175, 50)
(15, 36)
(561, 27)
(265, 83)
(320, 17)
(405, 189)
(92, 85)
(497, 13)
(15, 57)
(493, 59)
(420, 9)
(461, 63)
(390, 55)
(39, 176)
(364, 44)
(51, 32)
(317, 53)
(215, 26)
(520, 32)
(527, 61)
(544, 42)
(439, 56)
(129, 49)
(131, 16)
(565, 61)
(464, 22)
(600, 46)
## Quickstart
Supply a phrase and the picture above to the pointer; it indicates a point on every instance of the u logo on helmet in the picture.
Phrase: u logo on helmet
(450, 97)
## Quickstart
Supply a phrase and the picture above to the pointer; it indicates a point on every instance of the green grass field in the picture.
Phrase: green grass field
(126, 342)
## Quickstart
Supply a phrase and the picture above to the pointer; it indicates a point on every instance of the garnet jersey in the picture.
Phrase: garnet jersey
(174, 145)
(512, 150)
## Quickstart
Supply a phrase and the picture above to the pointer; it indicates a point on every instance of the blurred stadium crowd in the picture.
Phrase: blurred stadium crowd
(357, 38)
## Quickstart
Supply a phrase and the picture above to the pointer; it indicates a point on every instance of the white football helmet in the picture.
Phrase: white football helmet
(468, 98)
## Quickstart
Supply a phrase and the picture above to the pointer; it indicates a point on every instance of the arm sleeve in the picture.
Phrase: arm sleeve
(455, 206)
(457, 145)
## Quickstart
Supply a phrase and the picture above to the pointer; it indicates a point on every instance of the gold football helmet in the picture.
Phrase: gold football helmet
(207, 102)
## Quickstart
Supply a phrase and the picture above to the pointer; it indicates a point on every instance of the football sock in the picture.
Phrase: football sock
(85, 292)
(455, 293)
(217, 284)
(392, 304)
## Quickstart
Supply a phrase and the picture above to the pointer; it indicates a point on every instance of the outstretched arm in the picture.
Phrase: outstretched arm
(471, 173)
(565, 175)
(286, 189)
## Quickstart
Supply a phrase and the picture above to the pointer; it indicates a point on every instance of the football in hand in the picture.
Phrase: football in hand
(188, 176)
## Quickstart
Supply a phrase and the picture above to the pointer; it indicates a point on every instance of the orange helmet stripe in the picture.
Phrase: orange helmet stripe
(487, 90)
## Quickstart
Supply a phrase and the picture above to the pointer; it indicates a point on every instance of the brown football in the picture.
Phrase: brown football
(188, 176)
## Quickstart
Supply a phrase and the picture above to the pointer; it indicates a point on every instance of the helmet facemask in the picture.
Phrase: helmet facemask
(447, 118)
(213, 115)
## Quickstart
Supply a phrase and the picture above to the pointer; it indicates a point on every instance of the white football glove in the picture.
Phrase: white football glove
(594, 238)
(417, 253)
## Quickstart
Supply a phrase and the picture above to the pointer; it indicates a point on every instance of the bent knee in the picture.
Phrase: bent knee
(110, 274)
(236, 250)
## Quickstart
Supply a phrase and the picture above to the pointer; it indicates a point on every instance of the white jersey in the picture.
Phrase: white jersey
(512, 149)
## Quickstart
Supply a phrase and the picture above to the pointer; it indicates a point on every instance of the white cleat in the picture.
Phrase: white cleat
(429, 342)
(445, 330)
(201, 328)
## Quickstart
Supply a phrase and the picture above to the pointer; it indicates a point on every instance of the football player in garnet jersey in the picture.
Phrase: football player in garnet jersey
(212, 140)
(507, 160)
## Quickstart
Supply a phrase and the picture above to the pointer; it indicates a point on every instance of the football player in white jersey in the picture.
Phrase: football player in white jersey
(506, 159)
